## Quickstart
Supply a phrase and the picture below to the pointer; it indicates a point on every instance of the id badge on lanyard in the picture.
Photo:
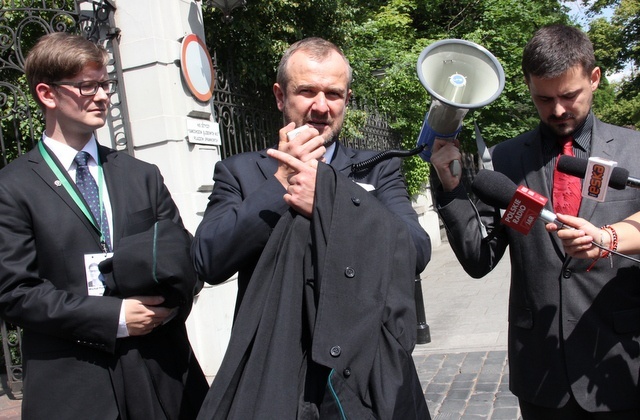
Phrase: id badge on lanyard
(95, 279)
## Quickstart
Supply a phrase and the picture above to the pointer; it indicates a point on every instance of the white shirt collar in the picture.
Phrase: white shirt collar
(66, 154)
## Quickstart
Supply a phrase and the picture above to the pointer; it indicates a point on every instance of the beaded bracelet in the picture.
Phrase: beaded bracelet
(613, 246)
(604, 252)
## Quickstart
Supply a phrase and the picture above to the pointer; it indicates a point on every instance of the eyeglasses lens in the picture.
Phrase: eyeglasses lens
(91, 88)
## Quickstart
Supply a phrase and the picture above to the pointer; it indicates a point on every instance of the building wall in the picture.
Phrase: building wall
(159, 104)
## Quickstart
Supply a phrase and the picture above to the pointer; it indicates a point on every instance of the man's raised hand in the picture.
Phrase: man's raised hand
(300, 181)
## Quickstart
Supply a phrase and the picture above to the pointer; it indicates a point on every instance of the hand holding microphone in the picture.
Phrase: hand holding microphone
(580, 242)
(303, 143)
(524, 206)
(299, 151)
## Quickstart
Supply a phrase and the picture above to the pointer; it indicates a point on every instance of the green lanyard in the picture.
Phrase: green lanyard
(72, 192)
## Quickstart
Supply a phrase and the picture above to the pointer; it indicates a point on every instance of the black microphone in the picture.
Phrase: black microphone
(523, 206)
(497, 190)
(619, 179)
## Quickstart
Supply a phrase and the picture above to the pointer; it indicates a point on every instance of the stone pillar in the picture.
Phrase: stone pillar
(428, 217)
(159, 104)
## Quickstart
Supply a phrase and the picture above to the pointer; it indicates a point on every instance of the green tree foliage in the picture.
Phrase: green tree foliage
(383, 40)
(21, 120)
(251, 44)
(617, 45)
(397, 32)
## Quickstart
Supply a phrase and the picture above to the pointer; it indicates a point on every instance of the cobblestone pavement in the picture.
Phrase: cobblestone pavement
(464, 370)
(470, 385)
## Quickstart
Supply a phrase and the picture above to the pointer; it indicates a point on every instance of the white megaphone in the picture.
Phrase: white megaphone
(459, 75)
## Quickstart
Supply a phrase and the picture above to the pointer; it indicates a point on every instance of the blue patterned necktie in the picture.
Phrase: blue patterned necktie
(89, 189)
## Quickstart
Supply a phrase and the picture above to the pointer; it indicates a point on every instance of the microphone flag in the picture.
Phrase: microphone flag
(597, 177)
(523, 210)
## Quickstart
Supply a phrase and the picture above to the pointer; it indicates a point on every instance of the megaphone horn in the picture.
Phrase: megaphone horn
(459, 75)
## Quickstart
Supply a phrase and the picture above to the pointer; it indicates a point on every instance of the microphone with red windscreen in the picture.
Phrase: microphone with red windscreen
(522, 205)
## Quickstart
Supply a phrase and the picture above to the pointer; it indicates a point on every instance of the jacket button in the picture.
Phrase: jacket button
(566, 273)
(335, 351)
(355, 200)
(346, 373)
(350, 272)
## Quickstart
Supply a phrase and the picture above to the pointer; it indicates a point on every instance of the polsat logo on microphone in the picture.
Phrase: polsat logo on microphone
(524, 209)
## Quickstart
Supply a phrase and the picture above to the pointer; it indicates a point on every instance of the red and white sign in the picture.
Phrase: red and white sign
(197, 68)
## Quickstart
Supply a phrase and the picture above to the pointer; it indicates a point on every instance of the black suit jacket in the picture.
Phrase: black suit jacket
(570, 330)
(69, 347)
(360, 331)
(246, 204)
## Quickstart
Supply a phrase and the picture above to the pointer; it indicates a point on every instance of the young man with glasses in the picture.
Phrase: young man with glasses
(69, 203)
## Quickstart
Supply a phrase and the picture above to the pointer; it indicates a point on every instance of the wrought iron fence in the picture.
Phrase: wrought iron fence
(11, 348)
(251, 122)
(247, 124)
(377, 134)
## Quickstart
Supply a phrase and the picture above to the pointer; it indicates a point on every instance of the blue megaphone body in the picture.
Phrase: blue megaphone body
(459, 75)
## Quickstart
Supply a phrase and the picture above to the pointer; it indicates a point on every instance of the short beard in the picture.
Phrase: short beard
(331, 140)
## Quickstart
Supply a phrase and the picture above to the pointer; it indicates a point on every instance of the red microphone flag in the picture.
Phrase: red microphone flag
(524, 209)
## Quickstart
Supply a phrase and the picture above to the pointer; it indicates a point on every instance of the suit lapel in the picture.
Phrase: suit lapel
(48, 177)
(115, 180)
(602, 145)
(266, 165)
(531, 162)
(343, 158)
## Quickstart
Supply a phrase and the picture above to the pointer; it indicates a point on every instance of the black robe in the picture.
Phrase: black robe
(328, 322)
(156, 376)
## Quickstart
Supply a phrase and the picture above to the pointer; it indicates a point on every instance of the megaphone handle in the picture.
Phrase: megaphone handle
(455, 168)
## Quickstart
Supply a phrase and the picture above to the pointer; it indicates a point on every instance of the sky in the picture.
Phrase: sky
(578, 13)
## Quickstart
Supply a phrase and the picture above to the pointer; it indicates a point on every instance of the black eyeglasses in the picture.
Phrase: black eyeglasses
(90, 88)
